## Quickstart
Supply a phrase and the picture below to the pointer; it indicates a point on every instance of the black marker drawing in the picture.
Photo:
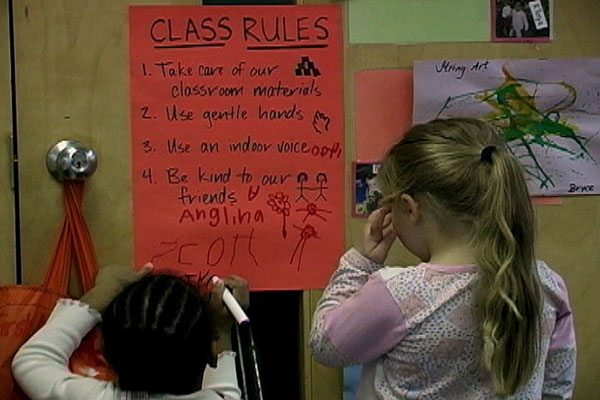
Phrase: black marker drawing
(301, 178)
(321, 178)
(321, 122)
(306, 67)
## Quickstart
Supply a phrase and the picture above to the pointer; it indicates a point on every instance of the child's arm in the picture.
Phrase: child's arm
(41, 366)
(223, 378)
(559, 376)
(357, 319)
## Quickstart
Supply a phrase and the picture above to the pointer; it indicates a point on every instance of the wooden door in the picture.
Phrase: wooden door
(7, 226)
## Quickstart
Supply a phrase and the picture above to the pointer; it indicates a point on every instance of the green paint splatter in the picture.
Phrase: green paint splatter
(525, 125)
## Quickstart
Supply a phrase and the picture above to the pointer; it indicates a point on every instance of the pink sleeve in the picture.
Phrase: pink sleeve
(564, 331)
(368, 324)
(349, 291)
(559, 374)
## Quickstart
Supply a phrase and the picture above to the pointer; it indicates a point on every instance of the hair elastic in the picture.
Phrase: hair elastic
(486, 153)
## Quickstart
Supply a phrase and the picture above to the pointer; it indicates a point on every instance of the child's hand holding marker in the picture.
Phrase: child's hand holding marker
(226, 303)
(378, 236)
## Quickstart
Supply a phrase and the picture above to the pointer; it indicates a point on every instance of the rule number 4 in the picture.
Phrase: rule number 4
(147, 174)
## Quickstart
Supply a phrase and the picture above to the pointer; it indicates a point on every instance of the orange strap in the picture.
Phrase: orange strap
(74, 241)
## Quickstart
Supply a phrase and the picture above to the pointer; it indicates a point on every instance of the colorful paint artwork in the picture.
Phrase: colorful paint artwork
(547, 109)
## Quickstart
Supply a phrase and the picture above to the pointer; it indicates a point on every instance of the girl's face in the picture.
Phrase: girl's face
(408, 221)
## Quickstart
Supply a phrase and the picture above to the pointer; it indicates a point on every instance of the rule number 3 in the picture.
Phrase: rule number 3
(147, 145)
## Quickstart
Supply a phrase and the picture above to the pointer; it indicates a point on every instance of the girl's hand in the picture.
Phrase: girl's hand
(221, 318)
(378, 236)
(110, 281)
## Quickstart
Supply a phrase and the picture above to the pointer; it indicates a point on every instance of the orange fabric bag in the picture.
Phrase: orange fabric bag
(25, 308)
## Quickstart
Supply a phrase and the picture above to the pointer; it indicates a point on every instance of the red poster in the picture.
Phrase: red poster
(237, 141)
(382, 110)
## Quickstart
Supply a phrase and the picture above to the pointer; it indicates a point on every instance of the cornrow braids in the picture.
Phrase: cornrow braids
(157, 336)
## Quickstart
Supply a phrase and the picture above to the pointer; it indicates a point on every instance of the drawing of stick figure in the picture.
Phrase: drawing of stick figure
(306, 233)
(301, 178)
(322, 181)
(279, 202)
(312, 209)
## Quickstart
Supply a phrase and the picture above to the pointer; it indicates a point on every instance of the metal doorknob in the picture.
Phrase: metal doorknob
(71, 160)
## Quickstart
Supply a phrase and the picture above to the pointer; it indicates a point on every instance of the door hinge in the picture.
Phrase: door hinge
(13, 161)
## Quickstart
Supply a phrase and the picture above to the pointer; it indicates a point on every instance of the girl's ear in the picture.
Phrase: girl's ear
(410, 207)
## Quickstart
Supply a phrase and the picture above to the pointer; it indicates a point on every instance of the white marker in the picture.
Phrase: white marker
(232, 305)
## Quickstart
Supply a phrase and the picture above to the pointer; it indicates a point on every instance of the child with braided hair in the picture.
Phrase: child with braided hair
(479, 318)
(161, 336)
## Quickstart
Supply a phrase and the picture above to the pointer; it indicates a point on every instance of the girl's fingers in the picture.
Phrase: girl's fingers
(387, 219)
(376, 224)
(146, 269)
(389, 235)
(378, 221)
(216, 297)
(239, 289)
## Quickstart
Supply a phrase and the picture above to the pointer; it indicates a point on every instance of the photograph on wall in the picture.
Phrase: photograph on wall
(521, 21)
(547, 111)
(366, 191)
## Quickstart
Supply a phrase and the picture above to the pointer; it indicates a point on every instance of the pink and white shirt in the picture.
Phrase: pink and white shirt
(414, 330)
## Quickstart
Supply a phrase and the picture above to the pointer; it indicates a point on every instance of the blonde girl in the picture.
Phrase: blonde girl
(479, 318)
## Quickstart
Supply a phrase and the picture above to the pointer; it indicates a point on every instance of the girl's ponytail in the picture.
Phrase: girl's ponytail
(467, 175)
(509, 294)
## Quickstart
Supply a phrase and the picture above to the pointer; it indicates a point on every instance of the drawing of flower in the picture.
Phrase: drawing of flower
(279, 202)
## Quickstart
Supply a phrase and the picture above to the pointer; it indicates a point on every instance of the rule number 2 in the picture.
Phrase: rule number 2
(145, 113)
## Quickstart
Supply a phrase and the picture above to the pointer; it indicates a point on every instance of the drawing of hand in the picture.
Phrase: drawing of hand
(378, 236)
(321, 122)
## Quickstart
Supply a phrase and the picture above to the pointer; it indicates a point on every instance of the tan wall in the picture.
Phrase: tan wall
(72, 83)
(7, 268)
(569, 234)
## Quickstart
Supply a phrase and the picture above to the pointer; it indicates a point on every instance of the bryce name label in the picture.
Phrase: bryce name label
(574, 188)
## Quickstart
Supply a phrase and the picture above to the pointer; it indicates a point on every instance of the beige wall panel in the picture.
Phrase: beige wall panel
(325, 382)
(72, 82)
(569, 234)
(7, 225)
(569, 242)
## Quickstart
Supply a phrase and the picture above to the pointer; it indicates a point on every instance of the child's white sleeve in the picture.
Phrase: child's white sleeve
(223, 379)
(41, 366)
